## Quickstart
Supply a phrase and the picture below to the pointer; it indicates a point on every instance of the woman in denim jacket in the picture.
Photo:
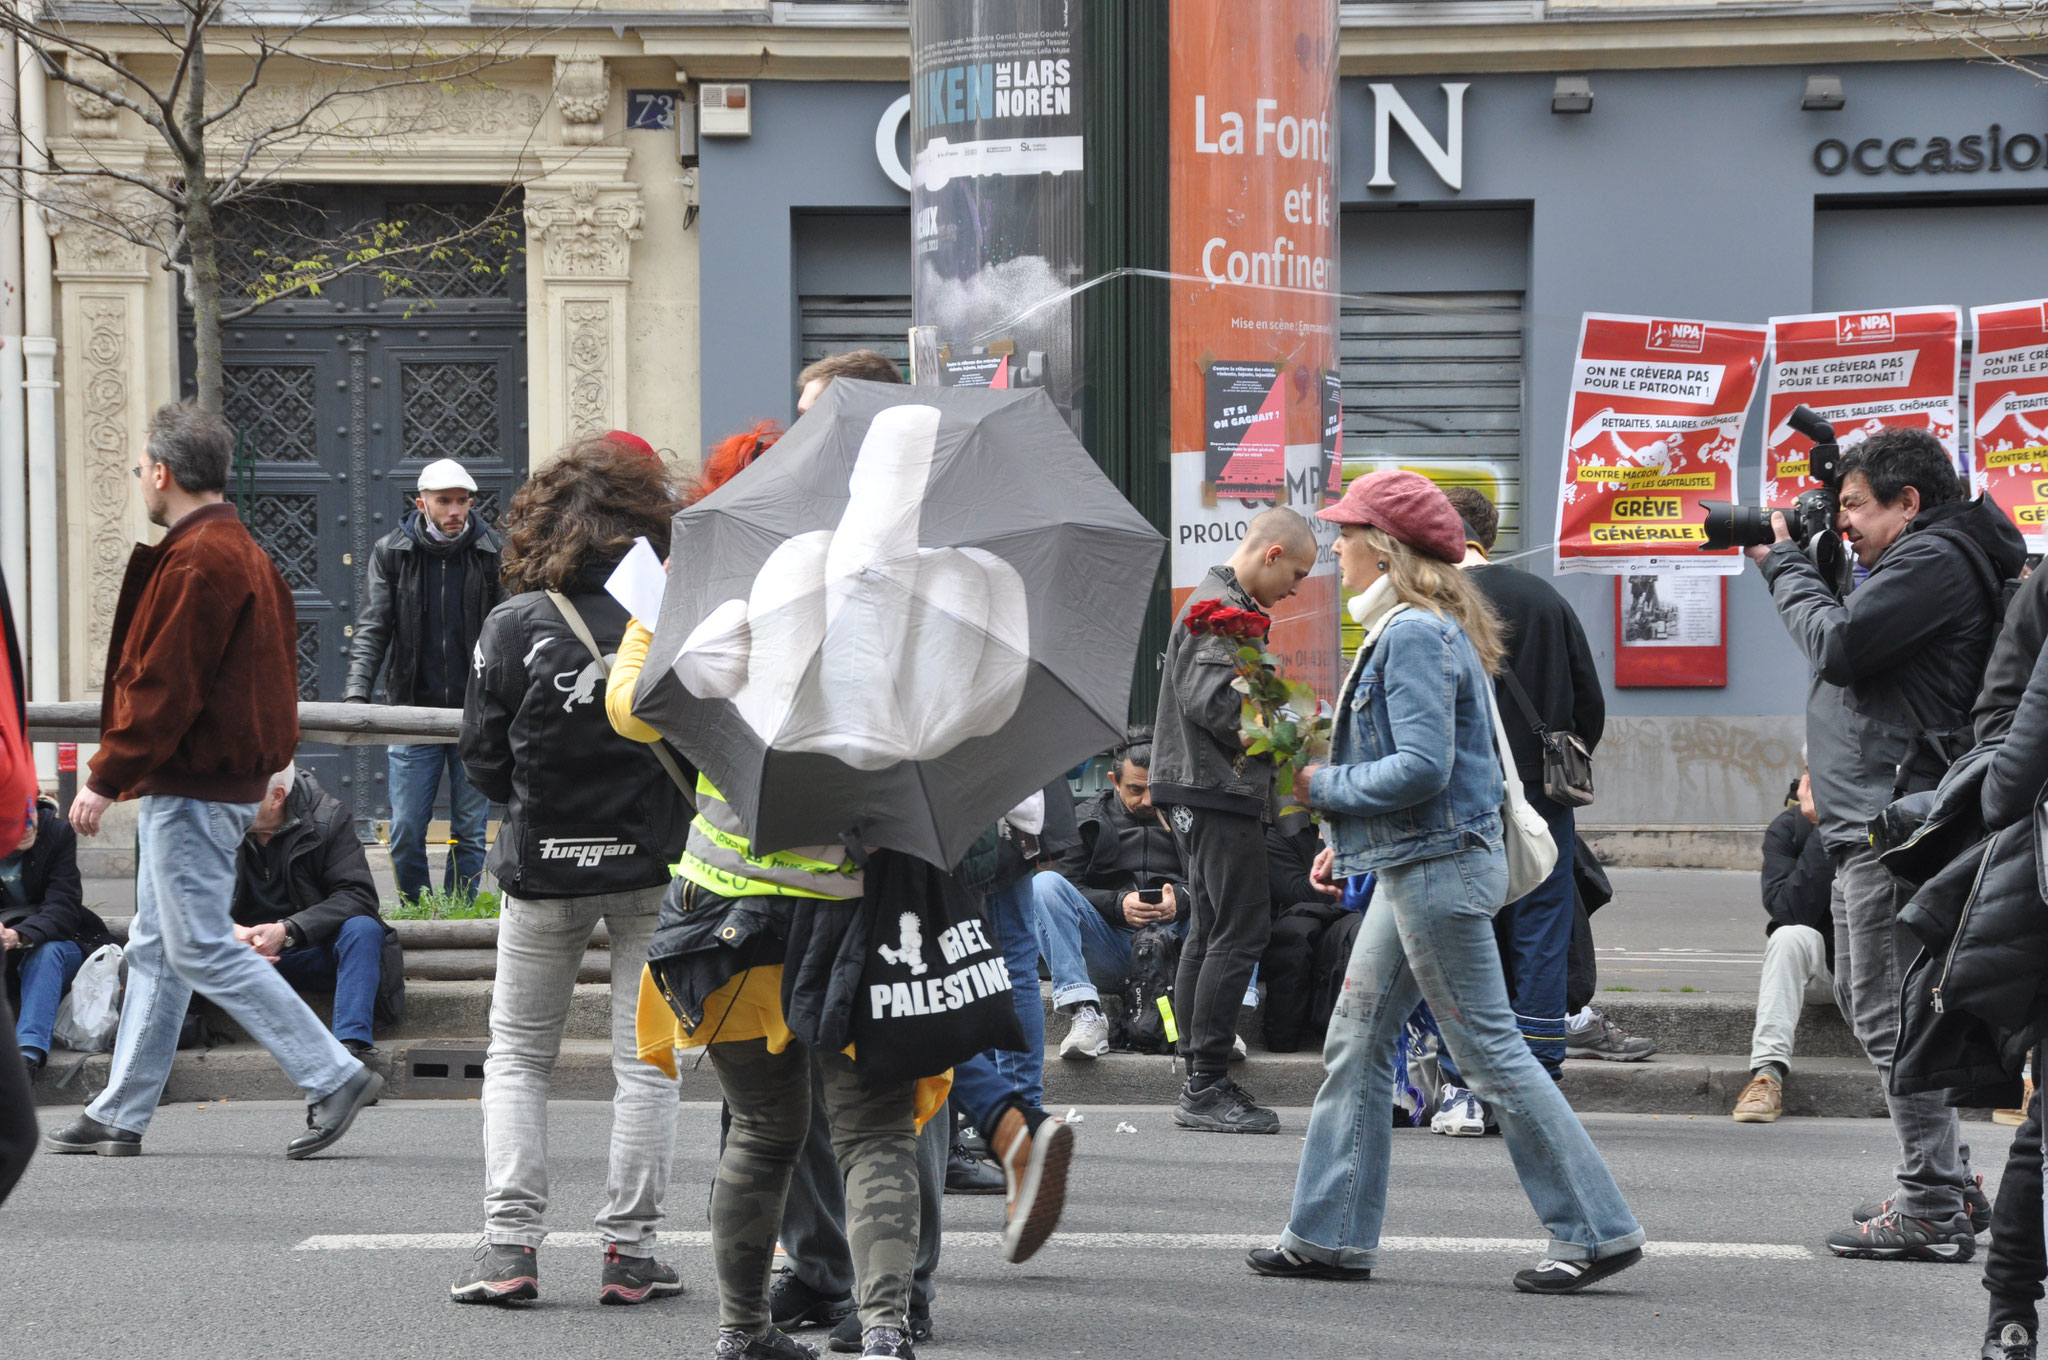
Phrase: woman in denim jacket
(1412, 794)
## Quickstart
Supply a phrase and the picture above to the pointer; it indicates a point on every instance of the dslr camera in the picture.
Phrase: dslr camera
(1810, 519)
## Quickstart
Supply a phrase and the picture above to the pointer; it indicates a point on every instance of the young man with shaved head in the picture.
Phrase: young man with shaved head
(1218, 800)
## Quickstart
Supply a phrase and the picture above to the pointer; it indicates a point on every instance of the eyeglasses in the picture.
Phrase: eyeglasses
(137, 470)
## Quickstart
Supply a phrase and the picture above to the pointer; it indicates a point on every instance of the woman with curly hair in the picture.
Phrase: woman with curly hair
(592, 823)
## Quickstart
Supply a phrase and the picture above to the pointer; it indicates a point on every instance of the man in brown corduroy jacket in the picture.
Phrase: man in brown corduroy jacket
(199, 710)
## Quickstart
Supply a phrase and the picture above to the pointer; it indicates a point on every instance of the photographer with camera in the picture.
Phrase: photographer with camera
(1897, 664)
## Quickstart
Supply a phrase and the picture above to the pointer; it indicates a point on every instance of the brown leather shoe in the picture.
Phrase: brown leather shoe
(1035, 1170)
(1761, 1102)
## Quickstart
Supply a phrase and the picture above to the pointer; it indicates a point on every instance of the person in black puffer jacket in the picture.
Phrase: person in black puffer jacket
(1897, 667)
(46, 930)
(592, 823)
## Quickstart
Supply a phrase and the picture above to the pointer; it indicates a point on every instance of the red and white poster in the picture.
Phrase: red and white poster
(1655, 419)
(1861, 372)
(2009, 410)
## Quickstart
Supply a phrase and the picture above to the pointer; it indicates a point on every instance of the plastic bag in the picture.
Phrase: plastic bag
(91, 1011)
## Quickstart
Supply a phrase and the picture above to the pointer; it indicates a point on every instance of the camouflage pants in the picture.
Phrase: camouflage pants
(874, 1136)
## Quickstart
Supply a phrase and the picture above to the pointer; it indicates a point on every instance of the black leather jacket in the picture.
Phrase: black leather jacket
(394, 614)
(1197, 759)
(587, 811)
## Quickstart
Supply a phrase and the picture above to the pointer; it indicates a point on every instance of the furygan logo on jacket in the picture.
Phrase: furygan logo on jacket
(586, 851)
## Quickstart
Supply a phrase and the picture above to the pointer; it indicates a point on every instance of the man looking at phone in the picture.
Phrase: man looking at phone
(1125, 873)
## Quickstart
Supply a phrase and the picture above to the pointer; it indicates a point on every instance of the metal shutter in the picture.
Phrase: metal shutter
(1433, 383)
(832, 325)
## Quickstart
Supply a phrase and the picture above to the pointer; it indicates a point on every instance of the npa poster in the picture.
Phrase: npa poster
(1861, 372)
(1655, 419)
(2009, 412)
(1253, 168)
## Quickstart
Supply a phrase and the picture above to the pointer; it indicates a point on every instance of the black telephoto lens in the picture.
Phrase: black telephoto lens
(1735, 526)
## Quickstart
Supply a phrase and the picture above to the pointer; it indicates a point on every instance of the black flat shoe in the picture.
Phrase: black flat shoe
(1569, 1277)
(1283, 1264)
(329, 1117)
(87, 1135)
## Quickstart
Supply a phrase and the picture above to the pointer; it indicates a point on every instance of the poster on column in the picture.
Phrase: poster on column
(1254, 304)
(1655, 419)
(997, 148)
(2009, 412)
(1861, 372)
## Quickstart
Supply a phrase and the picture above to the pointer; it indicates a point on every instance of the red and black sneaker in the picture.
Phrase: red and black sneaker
(636, 1279)
(502, 1273)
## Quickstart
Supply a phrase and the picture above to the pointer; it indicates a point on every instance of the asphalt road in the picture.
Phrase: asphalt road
(206, 1247)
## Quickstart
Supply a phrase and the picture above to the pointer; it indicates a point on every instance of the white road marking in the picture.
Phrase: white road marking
(1102, 1241)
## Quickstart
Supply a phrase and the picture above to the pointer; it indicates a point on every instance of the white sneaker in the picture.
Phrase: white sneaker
(1238, 1052)
(1088, 1038)
(1460, 1115)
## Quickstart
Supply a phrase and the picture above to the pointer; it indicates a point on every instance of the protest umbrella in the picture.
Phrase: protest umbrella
(914, 611)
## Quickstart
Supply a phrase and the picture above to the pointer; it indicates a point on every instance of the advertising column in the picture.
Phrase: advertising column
(1255, 417)
(996, 194)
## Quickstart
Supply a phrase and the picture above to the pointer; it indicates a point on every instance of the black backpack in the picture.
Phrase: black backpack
(1155, 957)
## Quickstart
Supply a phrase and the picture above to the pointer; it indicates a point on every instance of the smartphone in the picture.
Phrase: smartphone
(1152, 897)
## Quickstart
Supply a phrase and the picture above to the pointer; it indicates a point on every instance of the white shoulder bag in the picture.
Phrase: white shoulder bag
(1532, 854)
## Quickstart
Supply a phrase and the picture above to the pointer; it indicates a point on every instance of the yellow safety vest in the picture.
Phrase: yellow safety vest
(719, 858)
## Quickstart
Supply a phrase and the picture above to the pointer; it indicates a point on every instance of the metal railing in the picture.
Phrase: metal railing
(325, 723)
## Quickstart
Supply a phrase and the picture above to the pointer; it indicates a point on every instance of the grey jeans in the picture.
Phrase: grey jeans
(540, 949)
(1872, 953)
(814, 1216)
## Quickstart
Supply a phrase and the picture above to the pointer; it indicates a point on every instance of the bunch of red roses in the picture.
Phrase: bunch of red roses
(1281, 718)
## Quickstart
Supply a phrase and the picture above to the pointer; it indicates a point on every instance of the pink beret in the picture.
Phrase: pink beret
(1406, 505)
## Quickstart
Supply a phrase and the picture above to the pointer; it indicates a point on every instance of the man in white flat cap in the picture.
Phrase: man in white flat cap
(432, 580)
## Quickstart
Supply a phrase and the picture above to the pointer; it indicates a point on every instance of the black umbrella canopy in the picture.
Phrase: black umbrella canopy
(914, 611)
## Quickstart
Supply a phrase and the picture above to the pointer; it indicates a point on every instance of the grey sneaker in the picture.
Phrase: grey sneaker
(1894, 1237)
(1975, 1201)
(1600, 1037)
(1088, 1038)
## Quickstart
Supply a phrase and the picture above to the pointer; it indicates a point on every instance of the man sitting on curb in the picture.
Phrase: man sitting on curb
(1799, 951)
(1092, 902)
(305, 900)
(48, 931)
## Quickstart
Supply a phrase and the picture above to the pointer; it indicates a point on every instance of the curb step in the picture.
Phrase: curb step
(423, 1068)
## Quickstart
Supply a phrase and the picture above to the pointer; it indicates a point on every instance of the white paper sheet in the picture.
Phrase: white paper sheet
(638, 582)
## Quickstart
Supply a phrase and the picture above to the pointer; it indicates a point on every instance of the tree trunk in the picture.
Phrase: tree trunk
(203, 244)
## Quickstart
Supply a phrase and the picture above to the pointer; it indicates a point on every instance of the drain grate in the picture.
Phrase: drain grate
(444, 1071)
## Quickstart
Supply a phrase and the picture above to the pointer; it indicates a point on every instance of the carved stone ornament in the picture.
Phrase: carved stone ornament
(85, 248)
(583, 89)
(405, 111)
(92, 115)
(587, 325)
(103, 324)
(586, 232)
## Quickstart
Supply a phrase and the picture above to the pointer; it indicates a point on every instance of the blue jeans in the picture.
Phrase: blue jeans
(350, 965)
(987, 1082)
(1535, 939)
(182, 940)
(1084, 951)
(46, 973)
(415, 778)
(1429, 936)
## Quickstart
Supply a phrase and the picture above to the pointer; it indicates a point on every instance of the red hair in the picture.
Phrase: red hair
(730, 457)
